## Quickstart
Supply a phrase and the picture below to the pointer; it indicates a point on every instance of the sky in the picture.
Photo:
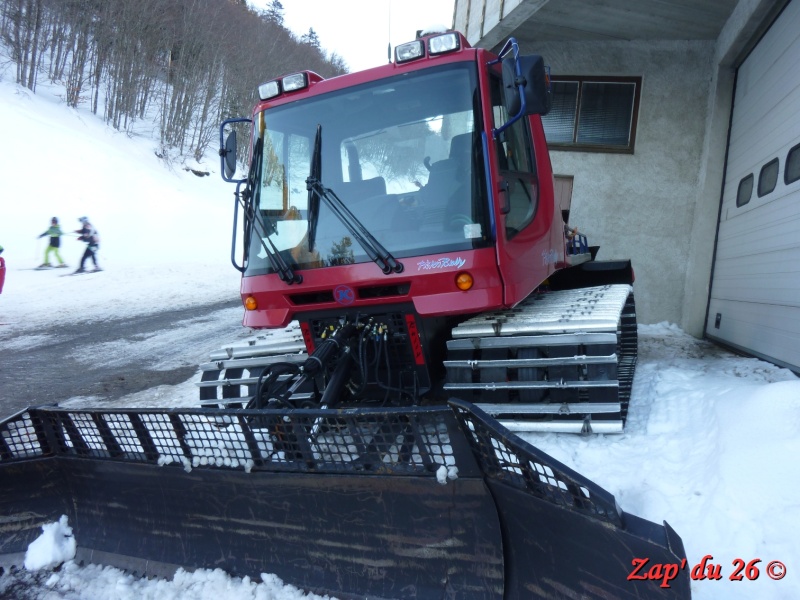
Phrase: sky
(711, 440)
(360, 30)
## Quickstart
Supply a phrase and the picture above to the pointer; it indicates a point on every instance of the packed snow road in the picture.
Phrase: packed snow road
(105, 361)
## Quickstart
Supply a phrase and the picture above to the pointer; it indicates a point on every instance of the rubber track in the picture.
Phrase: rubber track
(559, 361)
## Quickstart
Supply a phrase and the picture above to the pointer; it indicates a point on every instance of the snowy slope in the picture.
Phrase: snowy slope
(711, 437)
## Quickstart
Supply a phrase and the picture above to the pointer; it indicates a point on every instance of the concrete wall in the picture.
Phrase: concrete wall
(642, 206)
(478, 20)
(660, 205)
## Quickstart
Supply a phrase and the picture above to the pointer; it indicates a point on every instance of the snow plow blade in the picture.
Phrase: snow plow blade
(382, 503)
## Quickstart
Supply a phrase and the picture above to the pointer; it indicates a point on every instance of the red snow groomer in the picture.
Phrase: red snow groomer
(404, 216)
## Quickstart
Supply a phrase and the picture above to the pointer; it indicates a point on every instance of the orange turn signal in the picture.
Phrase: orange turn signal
(464, 281)
(250, 303)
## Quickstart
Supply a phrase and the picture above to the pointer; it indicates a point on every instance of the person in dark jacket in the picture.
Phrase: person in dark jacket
(55, 234)
(87, 233)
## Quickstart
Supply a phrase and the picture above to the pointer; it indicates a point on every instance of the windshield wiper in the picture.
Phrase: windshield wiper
(313, 198)
(316, 191)
(264, 228)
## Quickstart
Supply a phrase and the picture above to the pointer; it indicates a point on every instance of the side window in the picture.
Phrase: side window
(516, 166)
(286, 164)
(274, 184)
(791, 172)
(768, 178)
(745, 190)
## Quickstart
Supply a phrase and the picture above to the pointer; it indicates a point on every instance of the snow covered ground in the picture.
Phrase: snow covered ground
(711, 440)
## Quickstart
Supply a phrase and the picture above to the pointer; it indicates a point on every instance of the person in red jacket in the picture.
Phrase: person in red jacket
(2, 270)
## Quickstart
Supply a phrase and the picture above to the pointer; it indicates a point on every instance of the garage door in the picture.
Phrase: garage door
(755, 290)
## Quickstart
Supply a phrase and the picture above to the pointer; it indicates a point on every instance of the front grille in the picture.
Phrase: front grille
(363, 293)
(311, 298)
(384, 291)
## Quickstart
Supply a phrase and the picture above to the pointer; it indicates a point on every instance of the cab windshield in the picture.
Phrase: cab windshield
(403, 154)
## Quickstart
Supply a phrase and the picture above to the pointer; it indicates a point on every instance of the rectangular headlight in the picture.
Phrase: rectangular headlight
(269, 90)
(294, 82)
(409, 51)
(443, 43)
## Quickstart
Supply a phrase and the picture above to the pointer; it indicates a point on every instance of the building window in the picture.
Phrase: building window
(745, 190)
(791, 172)
(768, 177)
(593, 114)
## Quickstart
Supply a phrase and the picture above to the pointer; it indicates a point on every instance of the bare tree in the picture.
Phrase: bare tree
(22, 22)
(189, 63)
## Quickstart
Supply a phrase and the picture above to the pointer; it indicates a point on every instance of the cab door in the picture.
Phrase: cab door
(523, 202)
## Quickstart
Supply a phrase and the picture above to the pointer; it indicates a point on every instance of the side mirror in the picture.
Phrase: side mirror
(229, 155)
(529, 88)
(227, 149)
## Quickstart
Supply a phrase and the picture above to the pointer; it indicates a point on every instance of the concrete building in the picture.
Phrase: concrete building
(705, 97)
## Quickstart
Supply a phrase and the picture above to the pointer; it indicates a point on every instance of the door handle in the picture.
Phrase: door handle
(505, 203)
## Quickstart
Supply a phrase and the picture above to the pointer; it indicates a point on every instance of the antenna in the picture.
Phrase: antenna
(389, 33)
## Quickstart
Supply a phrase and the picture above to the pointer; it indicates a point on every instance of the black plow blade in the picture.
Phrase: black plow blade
(357, 503)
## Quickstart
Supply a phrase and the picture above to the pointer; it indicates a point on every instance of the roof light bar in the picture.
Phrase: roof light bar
(410, 51)
(443, 43)
(269, 90)
(290, 83)
(296, 81)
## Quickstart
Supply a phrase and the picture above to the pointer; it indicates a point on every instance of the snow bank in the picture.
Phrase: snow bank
(708, 447)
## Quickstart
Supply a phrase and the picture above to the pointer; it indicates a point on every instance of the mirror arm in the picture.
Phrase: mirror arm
(241, 268)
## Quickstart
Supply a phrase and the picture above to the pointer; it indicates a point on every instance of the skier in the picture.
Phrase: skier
(55, 234)
(89, 235)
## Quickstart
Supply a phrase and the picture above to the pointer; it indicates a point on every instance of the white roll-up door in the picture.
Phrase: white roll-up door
(755, 291)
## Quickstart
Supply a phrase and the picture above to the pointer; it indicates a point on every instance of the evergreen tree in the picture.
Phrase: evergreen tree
(311, 38)
(274, 12)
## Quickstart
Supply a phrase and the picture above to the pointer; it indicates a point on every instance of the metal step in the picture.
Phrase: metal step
(258, 350)
(577, 427)
(531, 385)
(533, 362)
(568, 417)
(251, 363)
(243, 401)
(232, 374)
(567, 408)
(520, 341)
(239, 381)
(274, 341)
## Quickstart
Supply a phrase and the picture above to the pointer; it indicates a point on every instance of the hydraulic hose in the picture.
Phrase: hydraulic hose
(328, 349)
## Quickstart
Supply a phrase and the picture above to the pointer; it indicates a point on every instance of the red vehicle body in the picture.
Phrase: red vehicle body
(504, 273)
(474, 231)
(408, 199)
